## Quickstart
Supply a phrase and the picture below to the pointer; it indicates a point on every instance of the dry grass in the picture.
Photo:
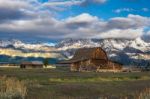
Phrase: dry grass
(12, 88)
(60, 83)
(145, 94)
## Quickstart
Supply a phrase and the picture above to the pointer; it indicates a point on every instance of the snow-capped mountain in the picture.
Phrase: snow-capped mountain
(140, 45)
(16, 50)
(127, 51)
(22, 45)
(109, 45)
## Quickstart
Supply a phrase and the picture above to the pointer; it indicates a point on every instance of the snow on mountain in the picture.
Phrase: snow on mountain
(109, 45)
(140, 44)
(74, 44)
(106, 44)
(17, 44)
(17, 48)
(126, 51)
(113, 44)
(122, 50)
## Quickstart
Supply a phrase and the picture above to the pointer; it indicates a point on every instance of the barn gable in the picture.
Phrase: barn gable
(91, 59)
(88, 53)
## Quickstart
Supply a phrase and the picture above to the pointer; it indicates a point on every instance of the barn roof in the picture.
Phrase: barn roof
(37, 62)
(26, 63)
(32, 63)
(86, 53)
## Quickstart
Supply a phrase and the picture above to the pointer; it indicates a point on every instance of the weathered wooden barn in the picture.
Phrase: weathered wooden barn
(91, 59)
(34, 64)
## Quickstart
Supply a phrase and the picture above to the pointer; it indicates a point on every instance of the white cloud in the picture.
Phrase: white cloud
(118, 33)
(100, 1)
(120, 10)
(148, 33)
(82, 18)
(13, 4)
(29, 19)
(82, 26)
(57, 4)
(131, 21)
(22, 9)
(123, 10)
(63, 3)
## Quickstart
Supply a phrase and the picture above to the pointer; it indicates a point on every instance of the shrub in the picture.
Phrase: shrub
(12, 88)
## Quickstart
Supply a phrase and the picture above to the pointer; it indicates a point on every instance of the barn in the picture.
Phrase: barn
(91, 59)
(34, 64)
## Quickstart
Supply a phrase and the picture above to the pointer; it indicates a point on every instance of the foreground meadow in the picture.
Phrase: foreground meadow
(60, 83)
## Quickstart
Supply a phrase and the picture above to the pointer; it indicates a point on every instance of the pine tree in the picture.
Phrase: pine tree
(46, 62)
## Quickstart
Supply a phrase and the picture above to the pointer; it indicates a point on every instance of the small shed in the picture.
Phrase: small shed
(33, 64)
(131, 69)
(91, 59)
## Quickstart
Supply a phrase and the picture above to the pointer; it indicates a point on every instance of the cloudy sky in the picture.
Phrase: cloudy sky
(60, 19)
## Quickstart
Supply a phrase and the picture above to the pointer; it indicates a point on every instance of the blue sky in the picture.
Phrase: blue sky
(54, 20)
(107, 10)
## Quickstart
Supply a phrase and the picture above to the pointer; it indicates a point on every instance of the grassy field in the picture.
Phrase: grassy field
(60, 83)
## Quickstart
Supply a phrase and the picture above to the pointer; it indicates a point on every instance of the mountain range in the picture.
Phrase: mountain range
(126, 51)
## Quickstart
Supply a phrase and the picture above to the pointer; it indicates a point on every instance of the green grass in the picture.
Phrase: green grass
(62, 84)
